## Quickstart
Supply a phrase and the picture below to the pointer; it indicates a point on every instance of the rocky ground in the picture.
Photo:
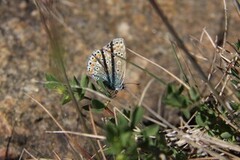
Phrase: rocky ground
(88, 25)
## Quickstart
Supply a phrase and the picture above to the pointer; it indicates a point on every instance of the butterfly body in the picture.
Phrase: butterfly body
(108, 65)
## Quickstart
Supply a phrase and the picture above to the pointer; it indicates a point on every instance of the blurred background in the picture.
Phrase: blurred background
(89, 25)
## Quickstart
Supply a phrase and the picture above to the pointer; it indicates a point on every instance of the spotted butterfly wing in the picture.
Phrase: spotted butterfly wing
(108, 64)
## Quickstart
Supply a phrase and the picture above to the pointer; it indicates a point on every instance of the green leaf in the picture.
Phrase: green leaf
(200, 120)
(92, 86)
(235, 73)
(122, 123)
(175, 98)
(66, 98)
(102, 88)
(52, 82)
(186, 113)
(237, 44)
(97, 105)
(121, 156)
(180, 89)
(79, 89)
(235, 82)
(84, 84)
(136, 116)
(101, 85)
(226, 135)
(50, 77)
(84, 81)
(75, 81)
(112, 132)
(125, 138)
(151, 130)
(235, 106)
(194, 95)
(181, 155)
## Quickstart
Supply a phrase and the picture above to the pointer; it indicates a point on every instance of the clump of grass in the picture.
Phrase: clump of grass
(210, 116)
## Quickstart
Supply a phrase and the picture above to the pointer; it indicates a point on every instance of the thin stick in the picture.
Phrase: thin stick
(165, 70)
(23, 151)
(79, 134)
(226, 24)
(144, 91)
(95, 133)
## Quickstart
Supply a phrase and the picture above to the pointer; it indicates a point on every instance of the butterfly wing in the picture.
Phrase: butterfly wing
(108, 64)
(117, 66)
(96, 67)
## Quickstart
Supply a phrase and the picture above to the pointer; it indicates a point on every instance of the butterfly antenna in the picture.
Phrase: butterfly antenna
(131, 83)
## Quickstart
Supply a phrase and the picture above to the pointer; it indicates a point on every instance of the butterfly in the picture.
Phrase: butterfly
(108, 65)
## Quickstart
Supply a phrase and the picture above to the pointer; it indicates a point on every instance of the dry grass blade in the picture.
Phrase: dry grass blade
(113, 102)
(115, 110)
(71, 141)
(95, 133)
(79, 134)
(165, 70)
(57, 156)
(155, 121)
(225, 25)
(237, 6)
(220, 143)
(144, 91)
(26, 151)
